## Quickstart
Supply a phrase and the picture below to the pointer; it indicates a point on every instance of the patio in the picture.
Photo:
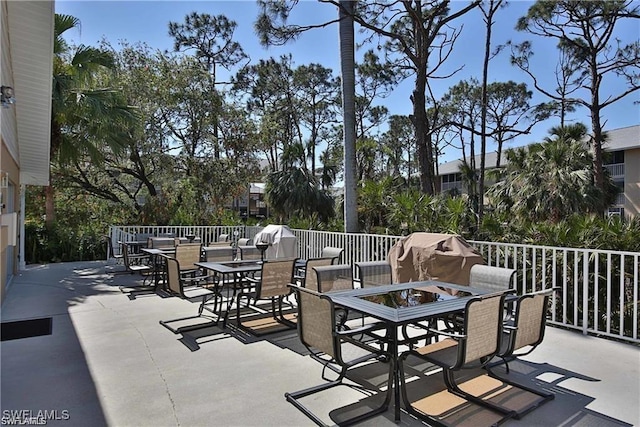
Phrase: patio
(109, 362)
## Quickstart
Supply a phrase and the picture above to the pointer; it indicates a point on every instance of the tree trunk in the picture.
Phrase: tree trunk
(423, 143)
(50, 212)
(347, 65)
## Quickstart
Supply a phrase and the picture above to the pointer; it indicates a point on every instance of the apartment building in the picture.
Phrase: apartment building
(622, 161)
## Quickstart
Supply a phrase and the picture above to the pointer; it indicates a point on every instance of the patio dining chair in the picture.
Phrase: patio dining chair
(332, 252)
(478, 342)
(136, 263)
(273, 284)
(180, 286)
(160, 242)
(133, 262)
(333, 347)
(374, 273)
(525, 332)
(187, 255)
(490, 278)
(218, 253)
(249, 252)
(110, 252)
(300, 277)
(331, 278)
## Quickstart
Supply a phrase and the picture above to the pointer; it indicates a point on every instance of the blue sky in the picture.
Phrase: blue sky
(147, 21)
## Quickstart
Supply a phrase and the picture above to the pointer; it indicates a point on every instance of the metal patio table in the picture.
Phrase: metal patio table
(239, 269)
(360, 300)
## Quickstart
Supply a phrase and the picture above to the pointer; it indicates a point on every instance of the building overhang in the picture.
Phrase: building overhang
(31, 33)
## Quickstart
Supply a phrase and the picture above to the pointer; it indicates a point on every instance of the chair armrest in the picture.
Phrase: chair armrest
(447, 334)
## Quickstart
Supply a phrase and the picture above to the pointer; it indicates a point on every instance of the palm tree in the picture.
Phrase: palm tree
(550, 180)
(85, 116)
(347, 65)
(295, 191)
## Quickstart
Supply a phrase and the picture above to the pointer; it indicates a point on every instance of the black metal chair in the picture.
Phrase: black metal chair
(300, 276)
(327, 344)
(110, 252)
(135, 263)
(273, 284)
(179, 286)
(332, 252)
(525, 331)
(478, 343)
(374, 273)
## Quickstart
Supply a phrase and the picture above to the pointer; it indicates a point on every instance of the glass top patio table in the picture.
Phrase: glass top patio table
(229, 267)
(404, 303)
(238, 269)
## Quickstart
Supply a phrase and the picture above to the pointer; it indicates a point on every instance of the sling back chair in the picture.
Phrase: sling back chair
(243, 241)
(249, 252)
(332, 278)
(475, 346)
(527, 327)
(187, 255)
(301, 278)
(318, 333)
(180, 286)
(273, 284)
(136, 263)
(374, 273)
(161, 242)
(335, 277)
(525, 331)
(490, 278)
(218, 253)
(332, 252)
(110, 252)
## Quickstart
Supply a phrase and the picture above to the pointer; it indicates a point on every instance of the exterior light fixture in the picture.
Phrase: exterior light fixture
(7, 96)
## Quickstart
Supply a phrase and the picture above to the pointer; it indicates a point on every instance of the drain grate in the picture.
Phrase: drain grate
(26, 328)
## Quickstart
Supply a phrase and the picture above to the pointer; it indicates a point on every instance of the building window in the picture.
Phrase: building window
(613, 158)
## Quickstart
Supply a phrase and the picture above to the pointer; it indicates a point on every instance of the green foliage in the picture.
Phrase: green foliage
(295, 192)
(76, 235)
(549, 181)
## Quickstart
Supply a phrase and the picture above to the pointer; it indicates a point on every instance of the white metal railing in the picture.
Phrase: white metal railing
(616, 170)
(598, 288)
(446, 186)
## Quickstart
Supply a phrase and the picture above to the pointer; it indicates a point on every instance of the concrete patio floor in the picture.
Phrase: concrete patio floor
(109, 362)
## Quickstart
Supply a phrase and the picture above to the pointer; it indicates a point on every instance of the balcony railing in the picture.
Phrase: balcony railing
(616, 170)
(598, 288)
(446, 186)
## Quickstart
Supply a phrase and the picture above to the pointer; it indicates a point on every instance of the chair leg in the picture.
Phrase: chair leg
(294, 397)
(405, 398)
(453, 387)
(546, 396)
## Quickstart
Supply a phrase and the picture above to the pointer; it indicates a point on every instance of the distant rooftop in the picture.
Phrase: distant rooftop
(618, 139)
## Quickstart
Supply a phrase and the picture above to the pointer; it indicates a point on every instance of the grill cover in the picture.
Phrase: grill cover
(433, 256)
(283, 243)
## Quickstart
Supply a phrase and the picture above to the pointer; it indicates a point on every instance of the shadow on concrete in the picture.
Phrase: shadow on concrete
(48, 375)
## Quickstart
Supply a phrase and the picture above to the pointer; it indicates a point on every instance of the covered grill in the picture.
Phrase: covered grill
(433, 256)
